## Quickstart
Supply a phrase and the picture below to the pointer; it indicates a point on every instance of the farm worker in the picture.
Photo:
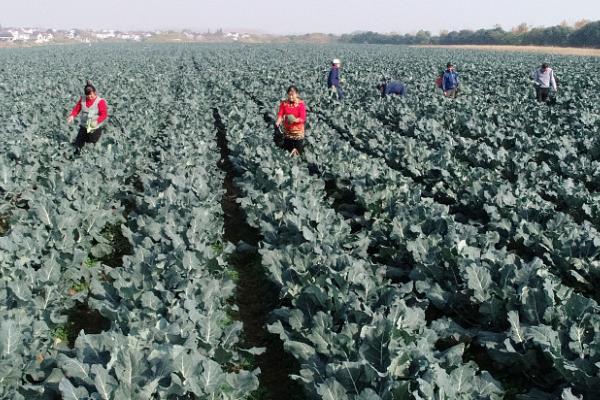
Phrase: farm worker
(94, 114)
(392, 88)
(292, 112)
(543, 79)
(333, 80)
(450, 81)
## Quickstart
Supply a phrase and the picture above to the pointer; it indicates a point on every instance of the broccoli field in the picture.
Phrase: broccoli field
(420, 248)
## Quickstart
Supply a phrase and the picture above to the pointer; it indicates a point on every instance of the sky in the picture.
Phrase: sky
(295, 16)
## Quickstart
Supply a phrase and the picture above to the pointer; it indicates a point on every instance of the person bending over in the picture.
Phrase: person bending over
(390, 88)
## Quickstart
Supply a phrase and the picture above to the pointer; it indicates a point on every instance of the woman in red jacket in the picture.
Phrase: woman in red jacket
(94, 114)
(292, 112)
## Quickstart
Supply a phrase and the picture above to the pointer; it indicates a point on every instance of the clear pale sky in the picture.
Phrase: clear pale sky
(295, 16)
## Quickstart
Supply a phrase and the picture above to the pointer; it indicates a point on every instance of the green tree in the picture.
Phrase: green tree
(586, 36)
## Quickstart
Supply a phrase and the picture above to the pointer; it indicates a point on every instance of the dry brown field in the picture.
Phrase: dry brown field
(570, 51)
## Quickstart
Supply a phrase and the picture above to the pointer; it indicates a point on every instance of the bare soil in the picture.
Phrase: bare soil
(256, 295)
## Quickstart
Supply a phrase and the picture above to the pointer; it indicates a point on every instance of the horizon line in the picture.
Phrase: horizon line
(257, 31)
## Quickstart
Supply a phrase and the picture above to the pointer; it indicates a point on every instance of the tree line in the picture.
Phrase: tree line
(583, 34)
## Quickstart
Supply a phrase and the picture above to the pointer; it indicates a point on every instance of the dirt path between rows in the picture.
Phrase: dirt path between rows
(256, 296)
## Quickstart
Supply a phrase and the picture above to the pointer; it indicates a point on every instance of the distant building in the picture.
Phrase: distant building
(6, 36)
(235, 36)
(16, 34)
(22, 34)
(129, 36)
(43, 37)
(106, 34)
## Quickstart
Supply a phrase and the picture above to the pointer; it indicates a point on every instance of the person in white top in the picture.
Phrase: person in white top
(543, 80)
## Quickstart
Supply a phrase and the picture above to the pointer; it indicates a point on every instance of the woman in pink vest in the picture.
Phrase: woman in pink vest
(292, 112)
(94, 114)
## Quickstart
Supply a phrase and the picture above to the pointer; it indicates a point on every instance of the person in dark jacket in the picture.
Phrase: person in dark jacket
(333, 79)
(450, 81)
(94, 115)
(392, 88)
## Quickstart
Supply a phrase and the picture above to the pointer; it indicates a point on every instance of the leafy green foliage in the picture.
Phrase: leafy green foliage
(131, 229)
(472, 210)
(424, 248)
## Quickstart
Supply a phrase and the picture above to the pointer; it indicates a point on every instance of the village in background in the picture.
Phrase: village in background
(20, 36)
(581, 34)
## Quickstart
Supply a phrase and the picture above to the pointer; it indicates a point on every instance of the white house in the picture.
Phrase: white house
(16, 34)
(106, 34)
(43, 37)
(23, 34)
(129, 36)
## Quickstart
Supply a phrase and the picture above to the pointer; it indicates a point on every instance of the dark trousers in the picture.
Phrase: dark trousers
(83, 137)
(277, 137)
(542, 93)
(291, 144)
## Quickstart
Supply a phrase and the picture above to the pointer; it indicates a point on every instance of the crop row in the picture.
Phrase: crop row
(355, 334)
(480, 267)
(131, 231)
